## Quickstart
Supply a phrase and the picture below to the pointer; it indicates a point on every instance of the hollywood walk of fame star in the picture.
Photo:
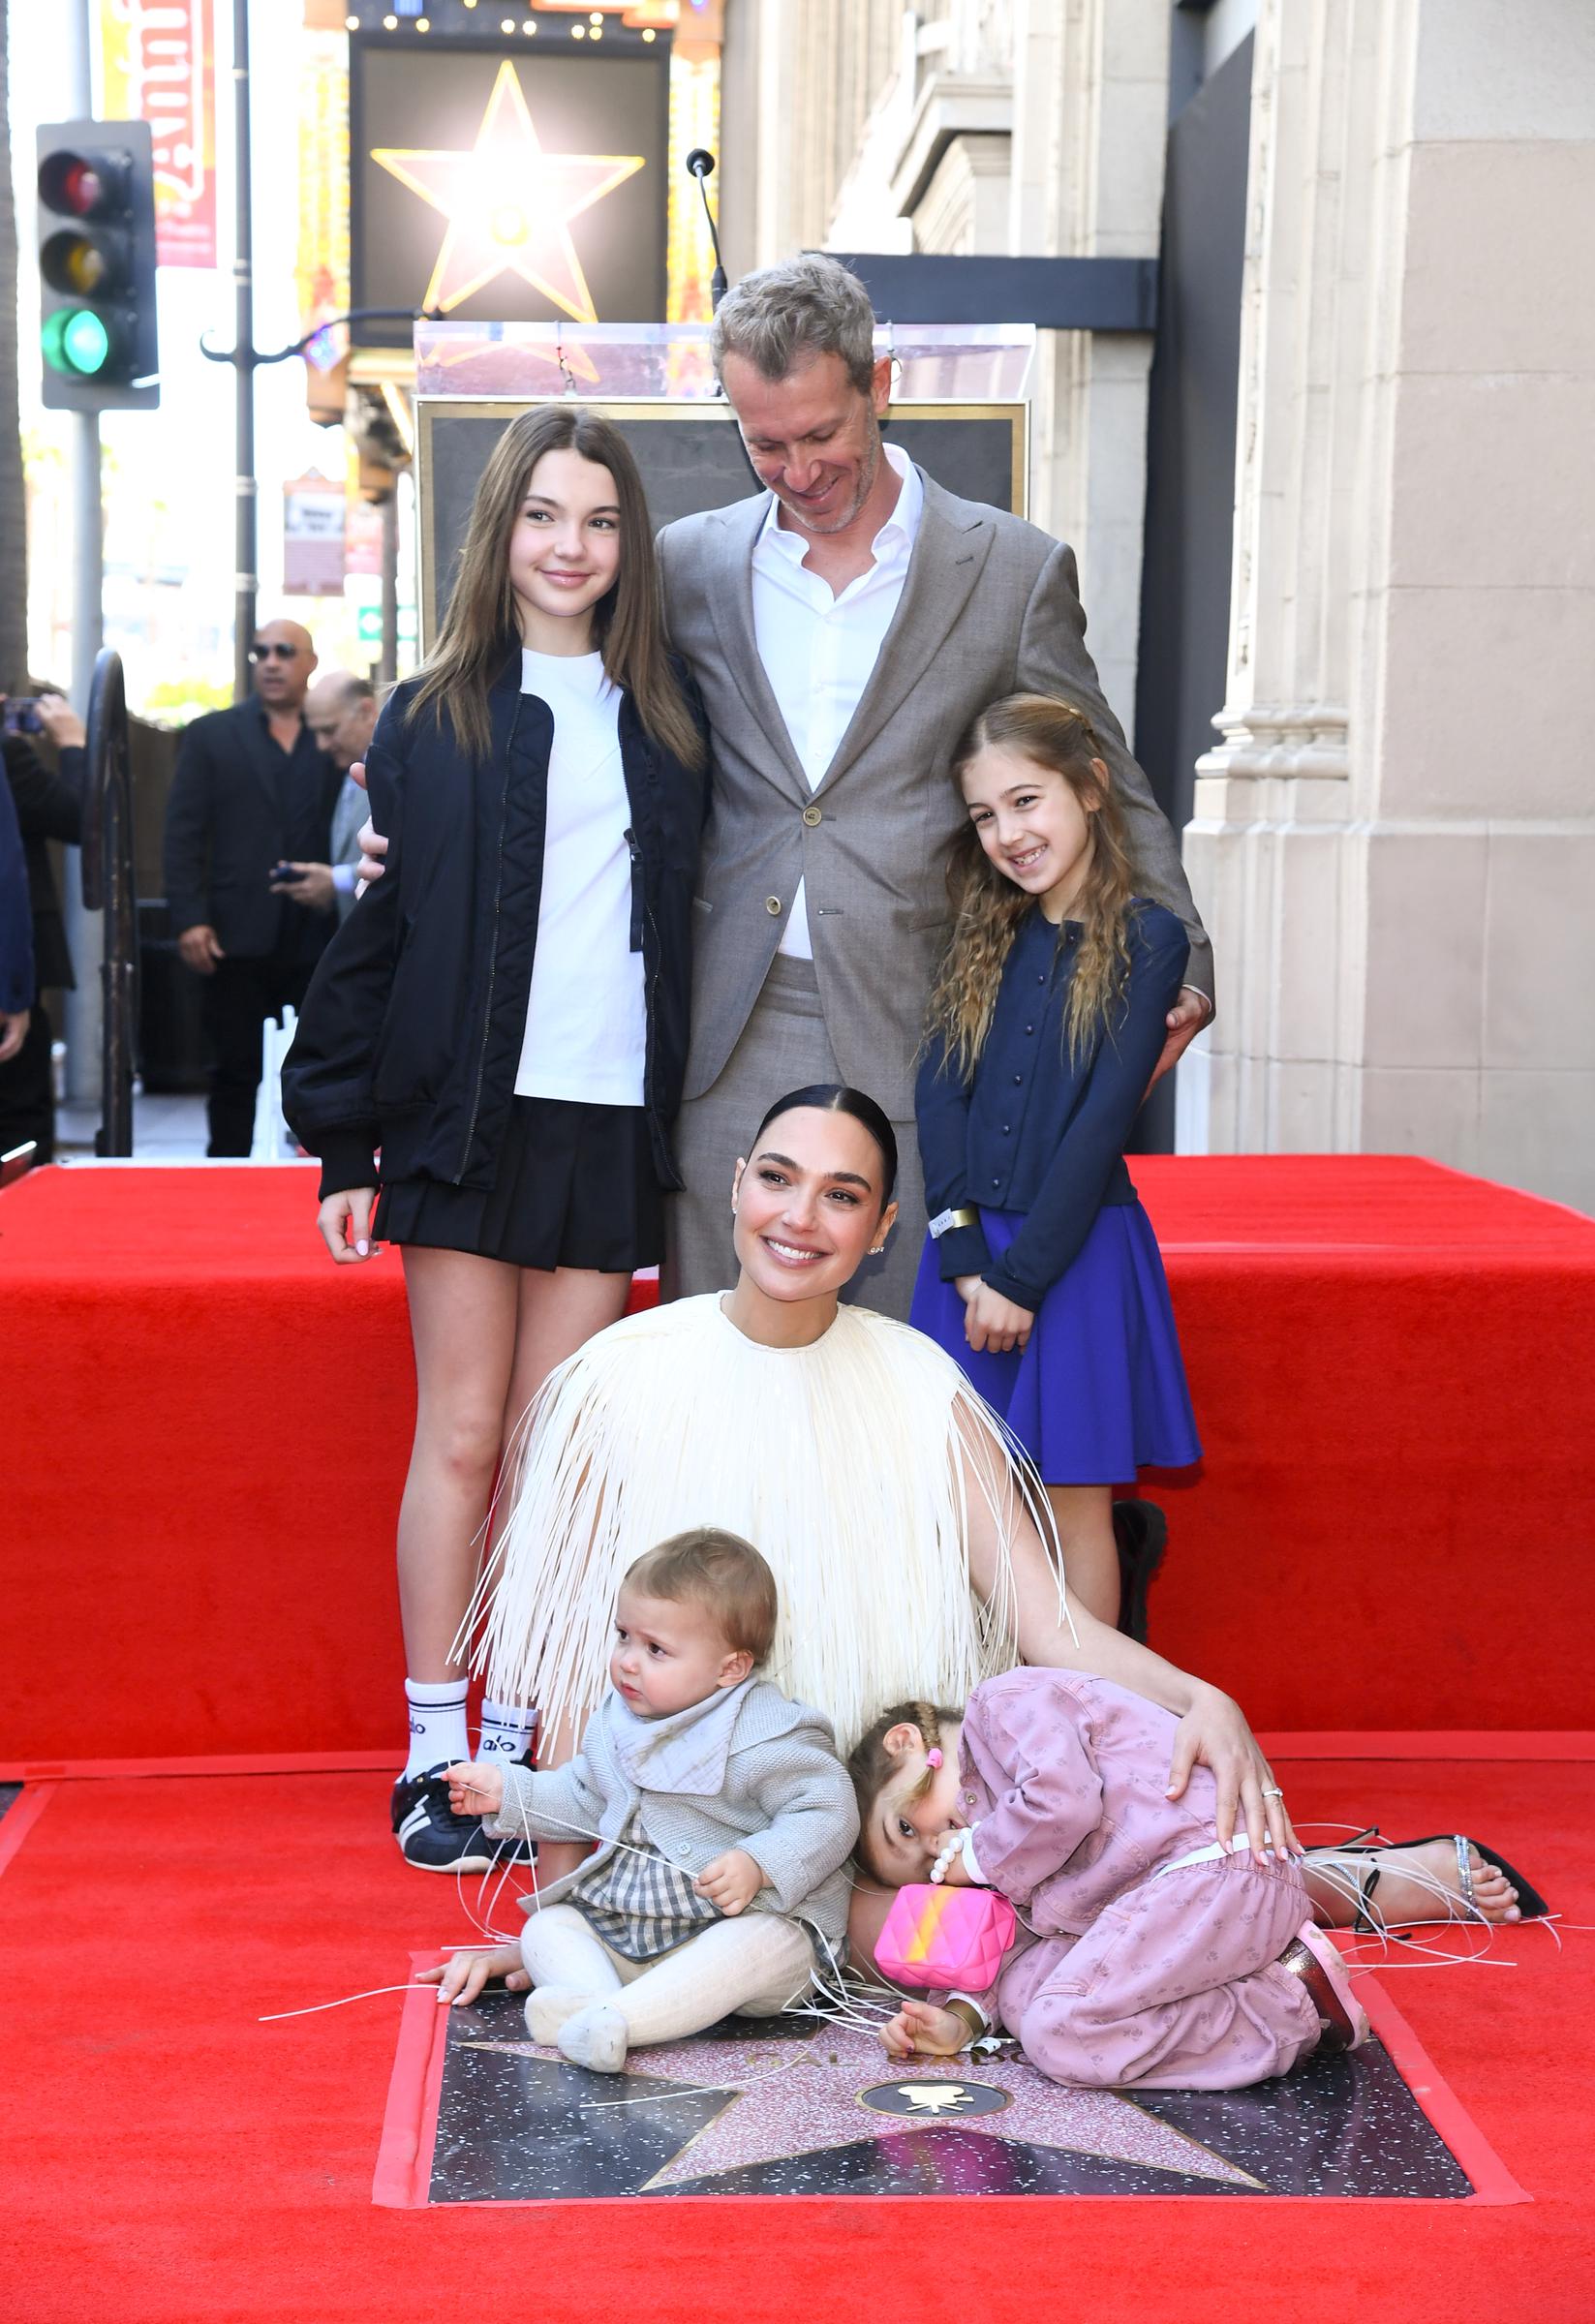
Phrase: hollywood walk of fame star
(788, 2099)
(508, 204)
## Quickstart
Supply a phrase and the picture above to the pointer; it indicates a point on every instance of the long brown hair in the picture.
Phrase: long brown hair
(987, 907)
(479, 629)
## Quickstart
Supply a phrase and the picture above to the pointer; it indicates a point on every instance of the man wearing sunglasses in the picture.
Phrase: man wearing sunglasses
(253, 791)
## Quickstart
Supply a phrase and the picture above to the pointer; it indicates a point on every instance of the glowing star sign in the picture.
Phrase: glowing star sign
(510, 205)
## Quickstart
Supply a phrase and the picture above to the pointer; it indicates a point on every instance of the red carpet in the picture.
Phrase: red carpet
(207, 1426)
(169, 2160)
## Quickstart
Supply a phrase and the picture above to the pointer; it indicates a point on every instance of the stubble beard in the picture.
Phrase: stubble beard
(873, 454)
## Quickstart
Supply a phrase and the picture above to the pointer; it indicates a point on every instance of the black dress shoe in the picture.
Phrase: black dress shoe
(434, 1839)
(1141, 1534)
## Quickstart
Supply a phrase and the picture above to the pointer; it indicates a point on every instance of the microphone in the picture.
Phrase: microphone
(700, 164)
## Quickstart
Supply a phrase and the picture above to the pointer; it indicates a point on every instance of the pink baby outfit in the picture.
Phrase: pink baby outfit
(1168, 1982)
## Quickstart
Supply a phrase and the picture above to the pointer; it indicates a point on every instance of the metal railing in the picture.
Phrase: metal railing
(108, 888)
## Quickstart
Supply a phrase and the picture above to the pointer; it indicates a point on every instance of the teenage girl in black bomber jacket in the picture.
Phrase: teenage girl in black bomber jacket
(503, 1016)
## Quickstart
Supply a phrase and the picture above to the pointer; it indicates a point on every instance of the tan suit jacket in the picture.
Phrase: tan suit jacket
(990, 607)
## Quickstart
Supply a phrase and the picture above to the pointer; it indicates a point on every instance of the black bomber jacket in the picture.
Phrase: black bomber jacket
(410, 1033)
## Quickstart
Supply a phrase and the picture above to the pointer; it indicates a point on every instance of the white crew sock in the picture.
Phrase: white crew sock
(594, 2037)
(548, 2008)
(507, 1731)
(437, 1735)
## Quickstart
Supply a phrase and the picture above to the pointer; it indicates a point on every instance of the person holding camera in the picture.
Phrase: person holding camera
(251, 799)
(49, 805)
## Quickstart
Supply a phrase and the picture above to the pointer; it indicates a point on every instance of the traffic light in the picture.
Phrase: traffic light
(97, 267)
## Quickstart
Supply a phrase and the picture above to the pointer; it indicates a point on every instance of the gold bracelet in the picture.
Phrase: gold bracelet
(947, 1220)
(970, 2017)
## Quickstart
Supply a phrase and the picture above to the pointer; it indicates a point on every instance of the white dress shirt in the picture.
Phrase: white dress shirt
(818, 649)
(586, 1024)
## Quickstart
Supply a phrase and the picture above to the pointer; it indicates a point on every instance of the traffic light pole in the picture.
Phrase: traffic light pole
(84, 929)
(247, 535)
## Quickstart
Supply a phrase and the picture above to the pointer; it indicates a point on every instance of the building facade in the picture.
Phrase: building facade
(1335, 519)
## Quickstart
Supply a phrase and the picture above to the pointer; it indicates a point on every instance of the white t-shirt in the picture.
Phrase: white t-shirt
(586, 1025)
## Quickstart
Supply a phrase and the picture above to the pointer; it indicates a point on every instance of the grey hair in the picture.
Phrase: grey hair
(806, 306)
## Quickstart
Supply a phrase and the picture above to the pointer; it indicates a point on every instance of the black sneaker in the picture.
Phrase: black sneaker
(1141, 1534)
(434, 1839)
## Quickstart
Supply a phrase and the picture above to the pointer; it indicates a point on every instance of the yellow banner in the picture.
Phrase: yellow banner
(157, 64)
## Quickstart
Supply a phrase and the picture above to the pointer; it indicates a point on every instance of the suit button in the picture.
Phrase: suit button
(772, 904)
(1019, 1081)
(811, 816)
(996, 1181)
(1040, 980)
(1030, 1028)
(1007, 1129)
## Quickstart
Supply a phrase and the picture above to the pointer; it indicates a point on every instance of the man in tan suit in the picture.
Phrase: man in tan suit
(845, 627)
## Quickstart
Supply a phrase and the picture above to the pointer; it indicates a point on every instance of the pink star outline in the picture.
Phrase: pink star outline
(774, 2110)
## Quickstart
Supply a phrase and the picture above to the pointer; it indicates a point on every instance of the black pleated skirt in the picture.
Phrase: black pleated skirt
(575, 1187)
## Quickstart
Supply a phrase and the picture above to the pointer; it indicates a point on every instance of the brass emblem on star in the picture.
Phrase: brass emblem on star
(934, 2102)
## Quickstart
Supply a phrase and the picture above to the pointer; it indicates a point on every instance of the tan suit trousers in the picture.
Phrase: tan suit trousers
(782, 1047)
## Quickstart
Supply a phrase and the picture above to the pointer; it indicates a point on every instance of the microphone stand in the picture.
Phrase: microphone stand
(700, 164)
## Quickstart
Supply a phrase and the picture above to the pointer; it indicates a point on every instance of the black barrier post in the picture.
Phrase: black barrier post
(109, 887)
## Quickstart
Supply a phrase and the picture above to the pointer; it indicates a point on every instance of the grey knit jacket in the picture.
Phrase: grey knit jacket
(784, 1796)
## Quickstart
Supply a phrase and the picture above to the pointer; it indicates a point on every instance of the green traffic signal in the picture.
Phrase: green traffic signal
(76, 342)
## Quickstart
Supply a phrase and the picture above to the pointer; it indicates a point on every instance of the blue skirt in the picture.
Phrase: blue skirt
(1100, 1392)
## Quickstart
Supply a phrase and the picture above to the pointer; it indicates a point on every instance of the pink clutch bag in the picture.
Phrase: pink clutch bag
(945, 1937)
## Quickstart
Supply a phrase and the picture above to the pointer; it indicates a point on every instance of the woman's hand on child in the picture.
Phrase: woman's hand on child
(731, 1881)
(1214, 1733)
(344, 1222)
(920, 2029)
(990, 1321)
(476, 1788)
(461, 1979)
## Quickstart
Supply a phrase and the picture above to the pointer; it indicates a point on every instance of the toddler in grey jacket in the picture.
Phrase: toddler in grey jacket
(723, 1818)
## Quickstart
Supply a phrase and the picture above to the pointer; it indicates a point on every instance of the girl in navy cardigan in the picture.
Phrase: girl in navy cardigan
(1041, 1272)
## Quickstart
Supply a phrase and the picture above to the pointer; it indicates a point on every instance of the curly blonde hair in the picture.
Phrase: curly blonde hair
(987, 907)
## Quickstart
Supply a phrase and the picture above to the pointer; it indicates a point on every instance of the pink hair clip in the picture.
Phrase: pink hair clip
(933, 1758)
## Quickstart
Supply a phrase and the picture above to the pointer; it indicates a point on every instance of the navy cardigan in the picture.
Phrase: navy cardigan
(1033, 1130)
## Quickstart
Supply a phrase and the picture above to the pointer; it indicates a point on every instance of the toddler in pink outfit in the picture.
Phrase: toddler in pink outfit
(1148, 1955)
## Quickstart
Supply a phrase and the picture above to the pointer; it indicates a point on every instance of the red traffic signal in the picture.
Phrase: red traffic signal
(83, 185)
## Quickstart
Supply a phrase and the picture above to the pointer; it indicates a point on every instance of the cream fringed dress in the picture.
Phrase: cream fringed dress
(841, 1461)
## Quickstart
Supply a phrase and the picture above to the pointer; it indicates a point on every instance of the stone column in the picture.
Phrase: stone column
(1090, 84)
(1394, 841)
